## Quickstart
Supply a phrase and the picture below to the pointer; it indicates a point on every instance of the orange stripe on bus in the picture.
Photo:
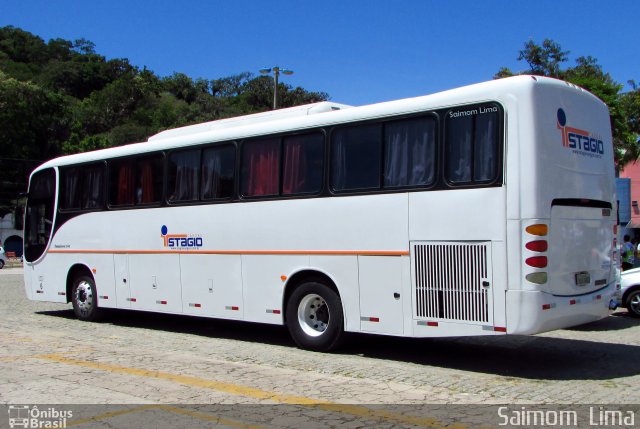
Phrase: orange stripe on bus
(241, 252)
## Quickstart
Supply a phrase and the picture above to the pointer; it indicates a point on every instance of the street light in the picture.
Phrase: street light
(276, 72)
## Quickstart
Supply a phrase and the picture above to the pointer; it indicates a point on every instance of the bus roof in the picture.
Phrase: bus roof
(317, 115)
(255, 118)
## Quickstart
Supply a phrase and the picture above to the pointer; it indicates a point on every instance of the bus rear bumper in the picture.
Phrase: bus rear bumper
(532, 312)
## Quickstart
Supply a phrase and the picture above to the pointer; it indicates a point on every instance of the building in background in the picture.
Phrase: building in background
(628, 189)
(10, 237)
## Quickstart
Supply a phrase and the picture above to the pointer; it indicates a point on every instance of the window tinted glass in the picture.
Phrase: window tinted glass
(472, 144)
(70, 188)
(136, 181)
(121, 173)
(39, 214)
(218, 172)
(486, 148)
(184, 176)
(260, 168)
(93, 184)
(149, 180)
(355, 157)
(82, 187)
(410, 152)
(302, 164)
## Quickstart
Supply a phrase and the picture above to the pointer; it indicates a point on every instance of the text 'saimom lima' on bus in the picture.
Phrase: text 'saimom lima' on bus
(483, 210)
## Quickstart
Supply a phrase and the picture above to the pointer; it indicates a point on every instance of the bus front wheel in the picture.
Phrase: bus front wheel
(85, 299)
(314, 317)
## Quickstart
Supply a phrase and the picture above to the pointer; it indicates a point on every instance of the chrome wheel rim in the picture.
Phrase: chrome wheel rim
(84, 297)
(313, 315)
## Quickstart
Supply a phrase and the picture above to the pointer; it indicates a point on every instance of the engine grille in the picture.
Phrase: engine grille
(451, 280)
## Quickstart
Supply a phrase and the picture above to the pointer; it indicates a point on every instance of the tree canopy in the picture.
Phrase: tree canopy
(624, 107)
(60, 97)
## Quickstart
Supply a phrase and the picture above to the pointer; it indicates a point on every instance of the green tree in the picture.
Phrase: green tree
(544, 60)
(33, 120)
(630, 105)
(64, 97)
(230, 86)
(22, 55)
(107, 111)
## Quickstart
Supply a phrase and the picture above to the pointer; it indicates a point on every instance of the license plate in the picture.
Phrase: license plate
(583, 278)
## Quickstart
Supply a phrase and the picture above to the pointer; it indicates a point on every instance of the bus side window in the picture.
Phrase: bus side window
(486, 148)
(122, 182)
(260, 167)
(303, 164)
(150, 177)
(184, 176)
(355, 157)
(70, 188)
(218, 172)
(410, 152)
(82, 188)
(471, 144)
(136, 181)
(92, 187)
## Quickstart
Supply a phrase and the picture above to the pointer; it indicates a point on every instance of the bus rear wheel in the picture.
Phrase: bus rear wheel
(85, 299)
(314, 317)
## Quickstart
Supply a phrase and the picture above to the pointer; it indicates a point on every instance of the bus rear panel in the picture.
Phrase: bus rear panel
(567, 212)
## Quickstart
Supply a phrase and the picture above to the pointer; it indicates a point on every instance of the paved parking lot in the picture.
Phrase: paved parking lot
(142, 358)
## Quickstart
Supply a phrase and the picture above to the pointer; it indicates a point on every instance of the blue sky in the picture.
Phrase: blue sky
(358, 51)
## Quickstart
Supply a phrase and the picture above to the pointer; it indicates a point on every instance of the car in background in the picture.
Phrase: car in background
(629, 294)
(3, 258)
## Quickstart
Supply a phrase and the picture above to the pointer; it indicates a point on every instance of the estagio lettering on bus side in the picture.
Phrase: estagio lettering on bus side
(180, 241)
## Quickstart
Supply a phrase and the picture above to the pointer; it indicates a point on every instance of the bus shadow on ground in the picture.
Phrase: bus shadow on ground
(530, 357)
(193, 325)
(617, 321)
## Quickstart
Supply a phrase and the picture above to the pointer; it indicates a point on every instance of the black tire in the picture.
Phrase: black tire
(314, 317)
(1, 264)
(84, 298)
(633, 303)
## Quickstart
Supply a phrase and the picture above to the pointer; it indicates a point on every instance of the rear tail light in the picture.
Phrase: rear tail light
(534, 253)
(537, 261)
(539, 278)
(539, 229)
(537, 246)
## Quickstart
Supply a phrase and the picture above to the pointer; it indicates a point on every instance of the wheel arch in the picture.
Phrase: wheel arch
(75, 271)
(301, 277)
(627, 292)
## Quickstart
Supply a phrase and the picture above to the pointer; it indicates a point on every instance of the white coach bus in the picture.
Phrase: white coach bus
(483, 210)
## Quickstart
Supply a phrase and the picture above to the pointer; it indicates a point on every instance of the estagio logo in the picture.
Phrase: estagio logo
(581, 141)
(180, 241)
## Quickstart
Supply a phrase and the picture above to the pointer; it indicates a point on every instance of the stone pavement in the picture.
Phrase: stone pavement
(48, 357)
